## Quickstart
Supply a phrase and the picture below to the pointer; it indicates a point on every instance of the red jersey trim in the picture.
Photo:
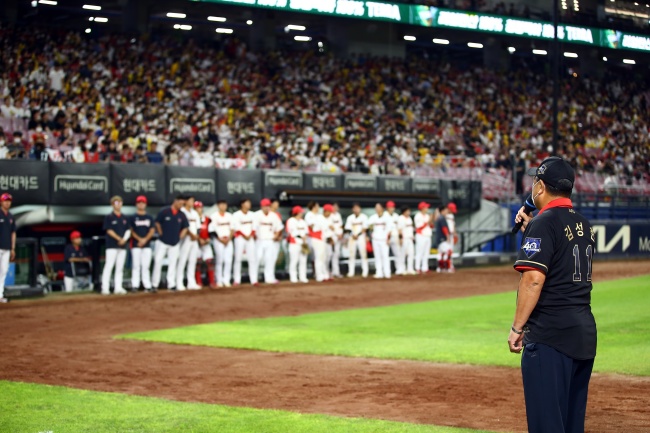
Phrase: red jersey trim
(558, 202)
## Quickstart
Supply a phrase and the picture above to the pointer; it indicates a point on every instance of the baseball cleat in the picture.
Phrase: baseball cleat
(4, 301)
(120, 292)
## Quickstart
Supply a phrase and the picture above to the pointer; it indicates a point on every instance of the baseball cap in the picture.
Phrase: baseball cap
(265, 202)
(452, 207)
(75, 235)
(328, 208)
(141, 199)
(555, 171)
(6, 197)
(423, 205)
(390, 204)
(296, 210)
(198, 204)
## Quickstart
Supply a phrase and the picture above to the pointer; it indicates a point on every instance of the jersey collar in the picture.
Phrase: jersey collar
(558, 202)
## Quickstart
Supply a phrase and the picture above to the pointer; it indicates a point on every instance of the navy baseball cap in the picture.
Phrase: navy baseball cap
(555, 171)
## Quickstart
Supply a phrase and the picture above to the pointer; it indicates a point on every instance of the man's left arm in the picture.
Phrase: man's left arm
(530, 287)
(13, 246)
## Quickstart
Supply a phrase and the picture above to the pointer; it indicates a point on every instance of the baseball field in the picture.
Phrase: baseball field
(414, 354)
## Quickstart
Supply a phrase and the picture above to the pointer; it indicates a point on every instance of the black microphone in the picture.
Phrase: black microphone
(529, 206)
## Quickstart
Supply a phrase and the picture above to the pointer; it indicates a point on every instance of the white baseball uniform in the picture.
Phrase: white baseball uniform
(317, 225)
(188, 252)
(357, 225)
(296, 237)
(405, 229)
(381, 227)
(336, 225)
(395, 246)
(422, 223)
(222, 225)
(243, 224)
(266, 228)
(451, 223)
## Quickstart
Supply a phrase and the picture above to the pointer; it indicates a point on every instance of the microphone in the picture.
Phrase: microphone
(529, 206)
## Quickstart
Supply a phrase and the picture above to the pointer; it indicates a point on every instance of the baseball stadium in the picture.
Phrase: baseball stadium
(234, 216)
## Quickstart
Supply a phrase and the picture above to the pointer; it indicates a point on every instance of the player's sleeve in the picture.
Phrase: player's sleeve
(67, 253)
(184, 223)
(348, 224)
(159, 217)
(107, 223)
(13, 225)
(537, 248)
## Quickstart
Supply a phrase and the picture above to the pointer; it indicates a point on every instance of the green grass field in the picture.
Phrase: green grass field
(31, 408)
(469, 330)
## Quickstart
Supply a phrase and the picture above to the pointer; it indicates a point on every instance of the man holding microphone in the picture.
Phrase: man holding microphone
(117, 230)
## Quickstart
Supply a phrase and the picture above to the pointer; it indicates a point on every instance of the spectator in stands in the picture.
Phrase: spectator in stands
(57, 76)
(153, 156)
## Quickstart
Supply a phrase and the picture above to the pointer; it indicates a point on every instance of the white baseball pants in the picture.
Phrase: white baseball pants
(422, 250)
(382, 259)
(223, 261)
(320, 259)
(171, 251)
(297, 264)
(398, 257)
(115, 258)
(204, 252)
(186, 259)
(407, 258)
(5, 255)
(336, 259)
(140, 267)
(358, 245)
(266, 255)
(242, 245)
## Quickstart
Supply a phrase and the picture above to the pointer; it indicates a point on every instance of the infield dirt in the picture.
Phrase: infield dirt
(68, 340)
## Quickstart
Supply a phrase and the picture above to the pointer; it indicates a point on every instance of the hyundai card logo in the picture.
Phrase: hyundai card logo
(74, 182)
(532, 246)
(190, 185)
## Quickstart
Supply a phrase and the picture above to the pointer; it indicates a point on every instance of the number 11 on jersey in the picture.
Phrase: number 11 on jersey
(577, 276)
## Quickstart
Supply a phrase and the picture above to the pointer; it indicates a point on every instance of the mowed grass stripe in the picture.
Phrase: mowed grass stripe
(35, 408)
(471, 330)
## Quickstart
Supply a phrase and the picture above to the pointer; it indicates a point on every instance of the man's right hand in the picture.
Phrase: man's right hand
(522, 216)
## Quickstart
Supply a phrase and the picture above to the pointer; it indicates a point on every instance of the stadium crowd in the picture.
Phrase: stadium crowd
(69, 97)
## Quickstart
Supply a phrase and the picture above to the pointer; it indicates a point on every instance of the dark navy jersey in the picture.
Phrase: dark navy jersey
(72, 252)
(442, 230)
(119, 224)
(561, 243)
(140, 225)
(7, 227)
(172, 223)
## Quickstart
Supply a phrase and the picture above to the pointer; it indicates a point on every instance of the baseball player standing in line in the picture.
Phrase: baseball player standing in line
(357, 225)
(423, 224)
(243, 225)
(268, 230)
(316, 227)
(187, 255)
(74, 252)
(336, 223)
(451, 223)
(553, 322)
(381, 225)
(442, 240)
(296, 228)
(405, 233)
(7, 241)
(171, 225)
(117, 230)
(221, 226)
(203, 249)
(328, 237)
(395, 246)
(142, 230)
(277, 246)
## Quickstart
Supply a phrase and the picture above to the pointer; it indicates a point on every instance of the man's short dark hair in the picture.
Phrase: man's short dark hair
(441, 208)
(180, 197)
(244, 200)
(555, 192)
(356, 204)
(222, 202)
(404, 209)
(311, 204)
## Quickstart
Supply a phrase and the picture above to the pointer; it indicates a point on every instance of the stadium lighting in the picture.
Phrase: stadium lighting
(572, 55)
(249, 22)
(409, 38)
(222, 30)
(320, 45)
(92, 7)
(540, 52)
(91, 19)
(512, 49)
(217, 19)
(88, 30)
(101, 20)
(629, 62)
(441, 41)
(474, 45)
(51, 3)
(295, 27)
(175, 15)
(604, 59)
(182, 27)
(302, 38)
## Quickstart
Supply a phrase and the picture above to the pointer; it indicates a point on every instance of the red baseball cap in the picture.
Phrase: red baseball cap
(198, 204)
(452, 207)
(296, 210)
(423, 205)
(75, 235)
(390, 204)
(265, 202)
(328, 208)
(141, 199)
(6, 197)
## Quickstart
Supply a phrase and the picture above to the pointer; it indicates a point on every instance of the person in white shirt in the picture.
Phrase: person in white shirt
(277, 246)
(316, 227)
(243, 225)
(56, 78)
(395, 246)
(423, 223)
(188, 252)
(357, 225)
(222, 230)
(268, 230)
(328, 237)
(336, 225)
(204, 252)
(381, 225)
(297, 237)
(451, 223)
(405, 233)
